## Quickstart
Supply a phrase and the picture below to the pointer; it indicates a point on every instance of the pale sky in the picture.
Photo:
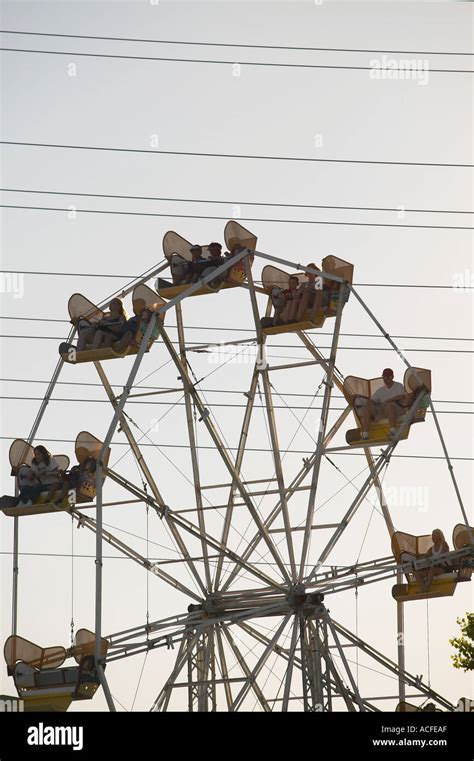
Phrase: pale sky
(270, 111)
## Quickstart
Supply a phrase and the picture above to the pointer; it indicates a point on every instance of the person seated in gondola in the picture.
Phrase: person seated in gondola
(179, 268)
(214, 261)
(235, 249)
(283, 300)
(312, 296)
(389, 401)
(77, 477)
(196, 266)
(129, 330)
(440, 546)
(106, 330)
(44, 476)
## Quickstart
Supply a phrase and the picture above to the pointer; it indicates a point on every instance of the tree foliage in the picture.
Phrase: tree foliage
(464, 645)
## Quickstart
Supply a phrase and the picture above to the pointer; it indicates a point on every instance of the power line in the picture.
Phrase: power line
(305, 452)
(210, 404)
(215, 62)
(278, 356)
(208, 390)
(231, 155)
(233, 203)
(94, 274)
(249, 330)
(245, 219)
(229, 44)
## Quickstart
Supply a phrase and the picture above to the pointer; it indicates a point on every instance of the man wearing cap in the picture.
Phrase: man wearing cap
(215, 259)
(388, 401)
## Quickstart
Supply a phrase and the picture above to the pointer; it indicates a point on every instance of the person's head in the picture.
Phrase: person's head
(293, 283)
(236, 248)
(214, 250)
(196, 252)
(387, 376)
(145, 315)
(437, 537)
(41, 454)
(116, 308)
(89, 465)
(311, 276)
(88, 664)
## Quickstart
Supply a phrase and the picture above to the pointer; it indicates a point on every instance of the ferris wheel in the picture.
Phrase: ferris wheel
(269, 586)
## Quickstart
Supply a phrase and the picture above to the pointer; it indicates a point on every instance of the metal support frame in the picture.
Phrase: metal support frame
(203, 636)
(321, 434)
(193, 450)
(141, 462)
(201, 673)
(205, 417)
(271, 421)
(98, 547)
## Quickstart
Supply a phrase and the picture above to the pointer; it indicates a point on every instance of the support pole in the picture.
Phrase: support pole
(15, 575)
(193, 451)
(401, 643)
(271, 421)
(16, 524)
(321, 434)
(238, 464)
(98, 546)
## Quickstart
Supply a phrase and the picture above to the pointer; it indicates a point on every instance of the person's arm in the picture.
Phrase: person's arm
(52, 471)
(375, 396)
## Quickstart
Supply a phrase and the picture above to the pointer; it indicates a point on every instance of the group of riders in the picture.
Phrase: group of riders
(44, 476)
(115, 329)
(185, 271)
(302, 300)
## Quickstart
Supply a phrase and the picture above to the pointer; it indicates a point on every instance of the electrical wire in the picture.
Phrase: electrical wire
(233, 202)
(210, 404)
(280, 356)
(305, 452)
(250, 330)
(216, 62)
(229, 44)
(209, 390)
(244, 219)
(240, 156)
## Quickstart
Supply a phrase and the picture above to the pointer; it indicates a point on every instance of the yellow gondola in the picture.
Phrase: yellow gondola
(176, 245)
(405, 707)
(272, 278)
(81, 308)
(41, 680)
(407, 547)
(21, 453)
(413, 379)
